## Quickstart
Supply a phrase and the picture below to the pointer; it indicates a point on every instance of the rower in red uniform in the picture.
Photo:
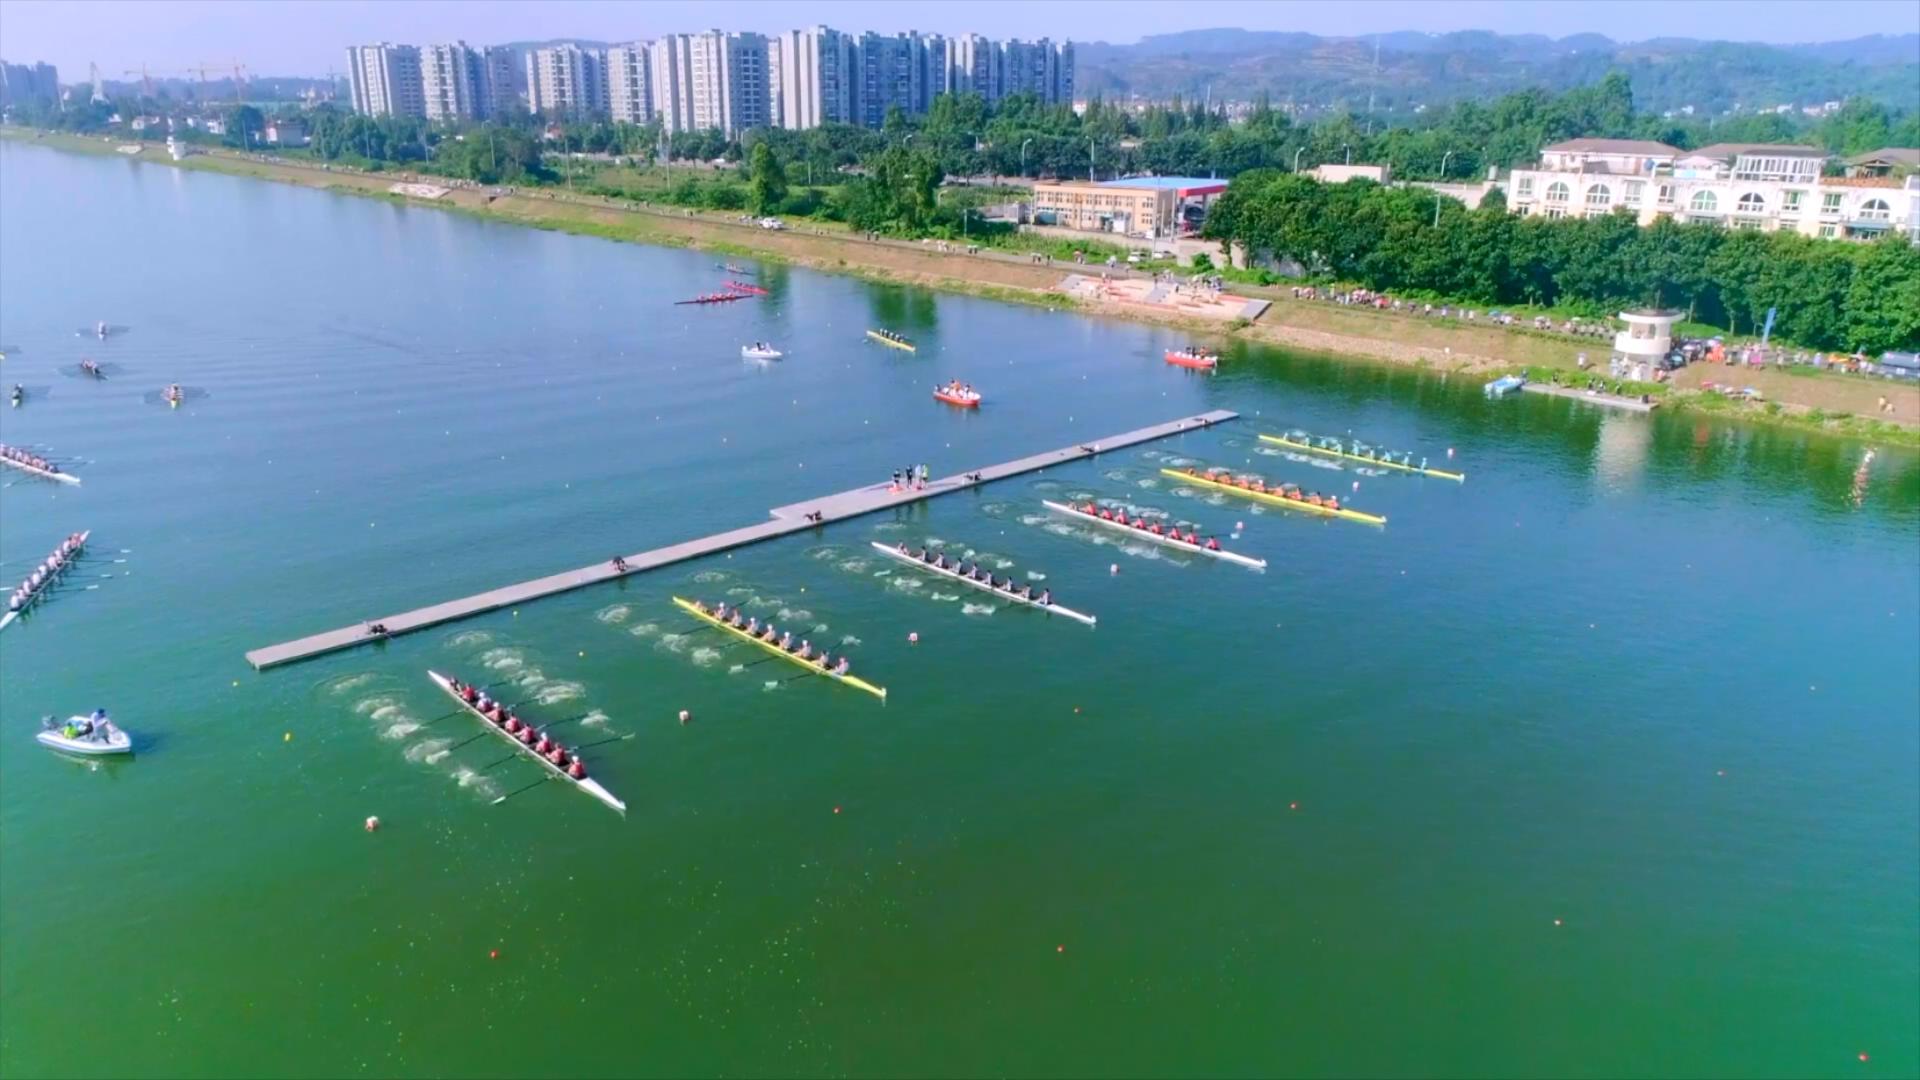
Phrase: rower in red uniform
(1213, 544)
(1333, 502)
(575, 769)
(526, 734)
(557, 755)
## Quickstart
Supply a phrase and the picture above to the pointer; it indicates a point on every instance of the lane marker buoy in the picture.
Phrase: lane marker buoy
(685, 716)
(373, 824)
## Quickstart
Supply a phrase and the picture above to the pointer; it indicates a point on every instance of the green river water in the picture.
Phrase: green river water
(1603, 763)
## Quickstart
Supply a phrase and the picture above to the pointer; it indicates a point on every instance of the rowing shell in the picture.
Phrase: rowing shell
(851, 680)
(1280, 440)
(1143, 534)
(890, 342)
(47, 582)
(588, 785)
(1277, 500)
(65, 478)
(1003, 594)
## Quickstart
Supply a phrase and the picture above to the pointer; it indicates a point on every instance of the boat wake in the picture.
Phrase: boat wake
(850, 640)
(795, 614)
(645, 629)
(430, 751)
(480, 782)
(708, 577)
(705, 656)
(945, 598)
(615, 614)
(467, 639)
(595, 718)
(890, 526)
(854, 566)
(977, 609)
(503, 659)
(554, 693)
(904, 582)
(343, 683)
(673, 643)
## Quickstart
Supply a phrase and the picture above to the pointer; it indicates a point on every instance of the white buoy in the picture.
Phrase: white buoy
(1114, 569)
(913, 637)
(1356, 485)
(685, 716)
(1449, 451)
(373, 824)
(1239, 525)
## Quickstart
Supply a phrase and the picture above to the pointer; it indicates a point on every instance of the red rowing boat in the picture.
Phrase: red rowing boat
(751, 290)
(1193, 358)
(954, 394)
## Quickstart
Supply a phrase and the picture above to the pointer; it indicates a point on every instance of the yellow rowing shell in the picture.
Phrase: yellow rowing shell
(885, 340)
(1278, 500)
(1383, 463)
(853, 681)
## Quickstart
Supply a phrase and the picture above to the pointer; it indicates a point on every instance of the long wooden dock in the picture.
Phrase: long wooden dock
(1592, 397)
(792, 518)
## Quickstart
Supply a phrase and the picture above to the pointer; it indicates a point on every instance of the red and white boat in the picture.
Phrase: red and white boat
(1170, 536)
(743, 287)
(1193, 358)
(957, 393)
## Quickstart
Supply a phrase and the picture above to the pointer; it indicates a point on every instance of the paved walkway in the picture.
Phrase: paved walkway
(786, 520)
(1591, 397)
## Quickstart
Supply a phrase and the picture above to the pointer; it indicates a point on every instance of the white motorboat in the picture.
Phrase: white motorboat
(84, 736)
(760, 352)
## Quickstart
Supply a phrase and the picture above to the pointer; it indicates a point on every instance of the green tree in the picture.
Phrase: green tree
(1883, 300)
(767, 180)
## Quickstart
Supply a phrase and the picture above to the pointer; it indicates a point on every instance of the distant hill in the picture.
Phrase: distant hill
(1424, 69)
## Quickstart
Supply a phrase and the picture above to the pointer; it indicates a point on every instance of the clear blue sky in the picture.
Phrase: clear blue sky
(305, 37)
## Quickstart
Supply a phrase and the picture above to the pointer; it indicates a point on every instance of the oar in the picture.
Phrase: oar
(502, 761)
(464, 742)
(437, 719)
(569, 720)
(511, 794)
(603, 742)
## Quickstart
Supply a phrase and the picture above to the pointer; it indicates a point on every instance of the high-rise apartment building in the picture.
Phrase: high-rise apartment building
(451, 82)
(725, 81)
(671, 61)
(501, 85)
(22, 83)
(893, 73)
(386, 80)
(1040, 68)
(816, 78)
(630, 84)
(973, 66)
(566, 80)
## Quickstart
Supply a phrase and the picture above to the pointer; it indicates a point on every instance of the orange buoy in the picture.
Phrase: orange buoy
(493, 954)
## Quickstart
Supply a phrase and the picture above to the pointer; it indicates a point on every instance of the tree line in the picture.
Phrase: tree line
(1412, 241)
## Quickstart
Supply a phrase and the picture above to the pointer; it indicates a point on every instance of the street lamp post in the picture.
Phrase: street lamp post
(1023, 157)
(1089, 161)
(1444, 158)
(1296, 158)
(1349, 152)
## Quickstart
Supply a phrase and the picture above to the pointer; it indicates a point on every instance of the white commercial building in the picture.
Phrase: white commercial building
(1740, 185)
(630, 84)
(566, 80)
(713, 80)
(386, 80)
(450, 79)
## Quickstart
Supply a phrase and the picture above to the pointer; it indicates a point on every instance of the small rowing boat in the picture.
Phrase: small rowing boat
(892, 340)
(732, 269)
(1299, 440)
(1193, 358)
(1143, 532)
(1004, 594)
(31, 592)
(751, 290)
(1275, 496)
(812, 666)
(583, 782)
(715, 298)
(92, 370)
(23, 461)
(957, 394)
(760, 352)
(1504, 385)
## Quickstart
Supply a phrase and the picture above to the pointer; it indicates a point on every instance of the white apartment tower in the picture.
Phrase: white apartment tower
(386, 80)
(567, 80)
(499, 85)
(713, 80)
(670, 59)
(450, 80)
(630, 83)
(973, 67)
(816, 78)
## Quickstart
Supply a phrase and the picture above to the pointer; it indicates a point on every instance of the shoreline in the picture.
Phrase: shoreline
(1830, 405)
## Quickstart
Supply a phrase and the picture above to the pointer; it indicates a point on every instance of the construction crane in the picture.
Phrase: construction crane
(239, 77)
(146, 79)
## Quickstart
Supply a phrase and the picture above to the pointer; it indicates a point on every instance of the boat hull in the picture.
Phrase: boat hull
(762, 354)
(118, 743)
(1165, 541)
(851, 680)
(588, 785)
(954, 575)
(1278, 500)
(1188, 360)
(1295, 444)
(956, 400)
(903, 346)
(60, 477)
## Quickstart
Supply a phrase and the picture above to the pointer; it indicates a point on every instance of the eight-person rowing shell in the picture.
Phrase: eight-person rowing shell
(1119, 517)
(766, 632)
(31, 461)
(1255, 485)
(506, 720)
(975, 573)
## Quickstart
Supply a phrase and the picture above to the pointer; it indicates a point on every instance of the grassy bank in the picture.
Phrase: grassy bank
(1830, 405)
